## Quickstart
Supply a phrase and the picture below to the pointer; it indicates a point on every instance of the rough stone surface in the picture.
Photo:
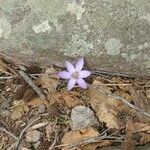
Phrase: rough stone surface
(33, 136)
(82, 117)
(112, 34)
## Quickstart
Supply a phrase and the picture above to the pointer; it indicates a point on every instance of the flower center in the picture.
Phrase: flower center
(75, 75)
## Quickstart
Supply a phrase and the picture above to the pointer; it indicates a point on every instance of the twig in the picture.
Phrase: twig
(91, 140)
(113, 84)
(125, 102)
(56, 137)
(32, 84)
(16, 144)
(8, 77)
(24, 130)
(112, 74)
(9, 133)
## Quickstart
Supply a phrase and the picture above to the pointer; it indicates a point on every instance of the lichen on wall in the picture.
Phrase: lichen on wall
(112, 34)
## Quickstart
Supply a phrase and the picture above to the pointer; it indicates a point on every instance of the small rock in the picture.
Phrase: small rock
(5, 113)
(82, 117)
(41, 109)
(36, 145)
(33, 136)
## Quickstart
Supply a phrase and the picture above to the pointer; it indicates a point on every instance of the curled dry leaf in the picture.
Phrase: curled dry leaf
(68, 98)
(107, 108)
(104, 110)
(145, 138)
(140, 132)
(18, 110)
(50, 83)
(139, 127)
(77, 136)
(37, 102)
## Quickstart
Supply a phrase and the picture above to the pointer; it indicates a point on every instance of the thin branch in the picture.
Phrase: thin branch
(9, 133)
(52, 147)
(17, 143)
(8, 77)
(32, 84)
(125, 102)
(91, 140)
(24, 130)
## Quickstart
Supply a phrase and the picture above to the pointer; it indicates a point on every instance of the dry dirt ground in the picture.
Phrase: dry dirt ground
(36, 109)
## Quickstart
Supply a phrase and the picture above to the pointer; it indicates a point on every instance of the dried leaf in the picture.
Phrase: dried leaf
(37, 102)
(134, 127)
(128, 143)
(50, 83)
(94, 146)
(18, 110)
(105, 107)
(68, 98)
(78, 135)
(142, 103)
(108, 109)
(145, 138)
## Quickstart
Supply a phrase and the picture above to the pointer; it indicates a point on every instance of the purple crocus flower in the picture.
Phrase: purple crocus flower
(75, 74)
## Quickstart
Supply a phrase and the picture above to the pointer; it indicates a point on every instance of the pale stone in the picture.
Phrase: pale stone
(33, 136)
(82, 117)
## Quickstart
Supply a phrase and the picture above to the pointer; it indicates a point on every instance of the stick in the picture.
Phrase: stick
(17, 143)
(9, 133)
(32, 84)
(125, 102)
(24, 130)
(91, 140)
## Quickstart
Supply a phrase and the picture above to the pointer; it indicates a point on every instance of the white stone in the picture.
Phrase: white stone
(43, 27)
(33, 136)
(82, 117)
(113, 46)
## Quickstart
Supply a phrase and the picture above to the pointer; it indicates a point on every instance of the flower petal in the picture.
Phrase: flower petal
(84, 73)
(71, 84)
(79, 64)
(69, 67)
(82, 83)
(64, 75)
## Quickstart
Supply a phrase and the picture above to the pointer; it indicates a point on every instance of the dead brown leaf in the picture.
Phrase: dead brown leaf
(78, 135)
(49, 83)
(19, 109)
(142, 102)
(68, 98)
(138, 127)
(106, 108)
(145, 138)
(37, 102)
(140, 132)
(94, 146)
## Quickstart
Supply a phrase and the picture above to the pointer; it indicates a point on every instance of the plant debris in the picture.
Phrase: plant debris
(38, 112)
